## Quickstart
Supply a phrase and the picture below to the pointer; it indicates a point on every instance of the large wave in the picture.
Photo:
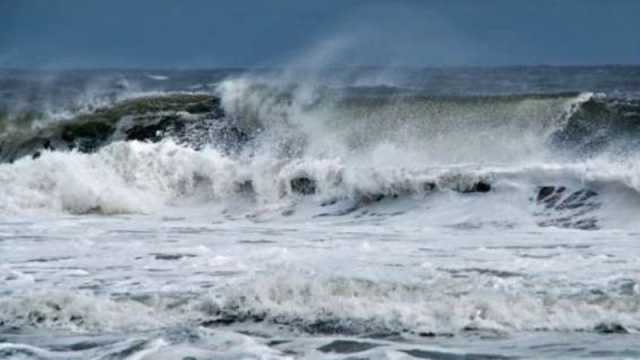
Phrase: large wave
(322, 121)
(274, 142)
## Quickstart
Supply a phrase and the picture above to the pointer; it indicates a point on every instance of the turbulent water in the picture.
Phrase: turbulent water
(346, 214)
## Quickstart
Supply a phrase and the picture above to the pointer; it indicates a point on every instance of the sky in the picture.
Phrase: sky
(265, 33)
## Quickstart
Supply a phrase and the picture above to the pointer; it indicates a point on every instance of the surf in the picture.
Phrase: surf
(338, 151)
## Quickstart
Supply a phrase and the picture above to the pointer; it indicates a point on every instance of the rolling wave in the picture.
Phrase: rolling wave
(347, 149)
(138, 177)
(443, 306)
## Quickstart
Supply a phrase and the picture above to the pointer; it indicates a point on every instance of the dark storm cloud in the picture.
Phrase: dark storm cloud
(199, 33)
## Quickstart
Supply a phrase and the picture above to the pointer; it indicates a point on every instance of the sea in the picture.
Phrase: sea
(336, 213)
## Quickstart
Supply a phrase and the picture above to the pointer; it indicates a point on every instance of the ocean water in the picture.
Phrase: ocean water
(362, 213)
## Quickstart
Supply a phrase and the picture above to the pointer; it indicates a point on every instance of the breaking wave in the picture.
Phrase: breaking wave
(341, 149)
(442, 306)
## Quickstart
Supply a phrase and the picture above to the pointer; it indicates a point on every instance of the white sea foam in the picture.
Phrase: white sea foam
(440, 303)
(137, 177)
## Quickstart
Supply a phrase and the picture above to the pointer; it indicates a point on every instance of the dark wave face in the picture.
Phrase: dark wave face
(601, 123)
(492, 127)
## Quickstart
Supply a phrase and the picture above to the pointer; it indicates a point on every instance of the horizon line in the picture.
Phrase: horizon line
(284, 67)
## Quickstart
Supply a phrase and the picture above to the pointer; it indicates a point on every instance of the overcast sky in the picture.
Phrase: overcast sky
(244, 33)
